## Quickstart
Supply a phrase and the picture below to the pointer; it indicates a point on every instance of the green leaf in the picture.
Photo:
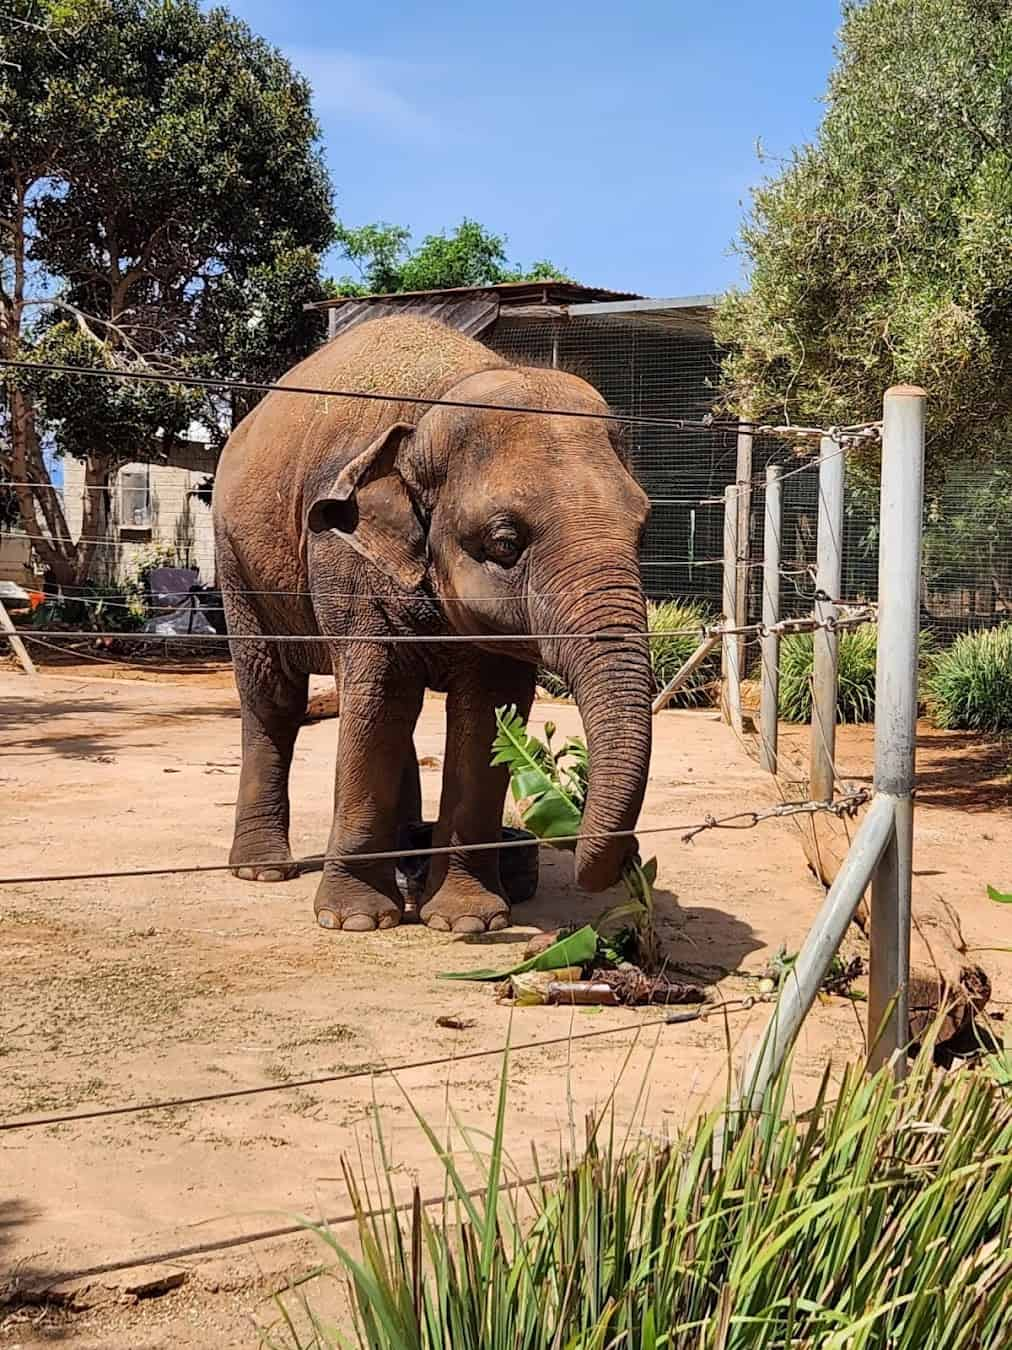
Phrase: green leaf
(1000, 897)
(553, 816)
(575, 950)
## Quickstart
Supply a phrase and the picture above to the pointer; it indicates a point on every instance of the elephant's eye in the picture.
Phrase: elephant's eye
(503, 549)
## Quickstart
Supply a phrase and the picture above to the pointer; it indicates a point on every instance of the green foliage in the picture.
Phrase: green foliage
(969, 687)
(163, 204)
(469, 256)
(858, 651)
(879, 1219)
(881, 252)
(667, 653)
(856, 681)
(550, 788)
(102, 609)
(576, 949)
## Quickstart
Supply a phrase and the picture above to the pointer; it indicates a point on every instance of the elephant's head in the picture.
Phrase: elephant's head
(524, 523)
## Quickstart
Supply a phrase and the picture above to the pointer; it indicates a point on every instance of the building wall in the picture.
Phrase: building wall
(16, 559)
(149, 505)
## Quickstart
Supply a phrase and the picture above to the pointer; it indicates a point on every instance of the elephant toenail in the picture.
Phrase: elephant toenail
(389, 920)
(246, 874)
(468, 923)
(359, 923)
(326, 918)
(498, 922)
(437, 922)
(271, 874)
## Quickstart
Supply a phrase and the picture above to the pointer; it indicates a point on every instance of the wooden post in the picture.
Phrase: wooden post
(682, 674)
(19, 648)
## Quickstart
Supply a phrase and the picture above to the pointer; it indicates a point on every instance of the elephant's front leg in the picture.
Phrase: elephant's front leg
(464, 893)
(379, 708)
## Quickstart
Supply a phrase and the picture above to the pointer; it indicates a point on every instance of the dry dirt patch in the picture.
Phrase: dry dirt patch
(136, 989)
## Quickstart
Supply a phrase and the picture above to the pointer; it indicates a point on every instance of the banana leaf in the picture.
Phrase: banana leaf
(575, 950)
(552, 811)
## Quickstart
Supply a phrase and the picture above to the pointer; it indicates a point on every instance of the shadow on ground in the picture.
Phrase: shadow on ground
(38, 718)
(703, 942)
(25, 1308)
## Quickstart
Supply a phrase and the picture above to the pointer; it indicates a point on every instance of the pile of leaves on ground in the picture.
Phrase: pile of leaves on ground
(880, 1217)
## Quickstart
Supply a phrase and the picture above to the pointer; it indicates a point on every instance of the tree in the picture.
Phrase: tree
(883, 251)
(163, 205)
(470, 256)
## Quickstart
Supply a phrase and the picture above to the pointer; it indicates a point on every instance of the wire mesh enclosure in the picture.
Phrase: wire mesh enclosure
(651, 369)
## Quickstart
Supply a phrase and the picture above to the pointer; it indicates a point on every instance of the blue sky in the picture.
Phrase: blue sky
(616, 139)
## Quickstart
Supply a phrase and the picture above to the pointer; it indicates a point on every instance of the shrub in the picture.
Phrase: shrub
(667, 654)
(98, 608)
(855, 700)
(881, 1218)
(969, 687)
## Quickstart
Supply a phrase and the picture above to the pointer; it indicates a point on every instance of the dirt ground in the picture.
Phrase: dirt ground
(133, 990)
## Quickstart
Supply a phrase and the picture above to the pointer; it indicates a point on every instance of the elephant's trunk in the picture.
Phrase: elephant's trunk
(612, 683)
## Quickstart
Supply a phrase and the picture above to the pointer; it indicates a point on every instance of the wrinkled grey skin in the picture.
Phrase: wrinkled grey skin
(337, 518)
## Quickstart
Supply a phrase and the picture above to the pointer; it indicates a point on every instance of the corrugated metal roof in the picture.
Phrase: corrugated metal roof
(469, 315)
(514, 292)
(690, 314)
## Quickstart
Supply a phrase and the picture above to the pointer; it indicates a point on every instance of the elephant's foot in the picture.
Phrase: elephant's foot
(347, 903)
(262, 860)
(465, 909)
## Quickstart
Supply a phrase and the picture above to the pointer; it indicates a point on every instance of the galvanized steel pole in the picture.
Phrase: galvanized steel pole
(899, 573)
(770, 695)
(802, 983)
(826, 641)
(743, 480)
(731, 689)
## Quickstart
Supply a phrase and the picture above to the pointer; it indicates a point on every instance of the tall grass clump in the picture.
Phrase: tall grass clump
(882, 1219)
(858, 649)
(969, 687)
(667, 653)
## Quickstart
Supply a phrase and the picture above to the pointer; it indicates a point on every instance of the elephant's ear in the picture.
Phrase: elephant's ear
(370, 507)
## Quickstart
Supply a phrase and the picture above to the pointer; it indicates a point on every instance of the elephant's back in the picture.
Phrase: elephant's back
(288, 438)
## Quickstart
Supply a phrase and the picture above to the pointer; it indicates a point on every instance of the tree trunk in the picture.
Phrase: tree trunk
(50, 537)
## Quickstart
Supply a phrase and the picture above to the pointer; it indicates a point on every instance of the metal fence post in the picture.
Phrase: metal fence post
(769, 705)
(899, 580)
(743, 480)
(826, 641)
(731, 666)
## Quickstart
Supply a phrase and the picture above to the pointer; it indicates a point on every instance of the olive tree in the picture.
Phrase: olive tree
(882, 251)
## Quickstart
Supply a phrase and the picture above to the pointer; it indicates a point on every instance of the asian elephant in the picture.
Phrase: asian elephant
(340, 518)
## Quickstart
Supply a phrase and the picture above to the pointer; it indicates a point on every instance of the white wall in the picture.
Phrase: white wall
(174, 518)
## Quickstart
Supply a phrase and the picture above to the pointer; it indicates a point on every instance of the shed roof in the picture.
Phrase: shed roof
(473, 309)
(548, 292)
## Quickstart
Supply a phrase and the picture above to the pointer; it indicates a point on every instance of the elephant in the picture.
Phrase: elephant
(372, 527)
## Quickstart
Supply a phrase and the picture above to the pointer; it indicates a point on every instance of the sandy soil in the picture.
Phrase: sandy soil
(128, 990)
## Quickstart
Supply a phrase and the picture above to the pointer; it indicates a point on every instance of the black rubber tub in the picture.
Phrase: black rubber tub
(518, 867)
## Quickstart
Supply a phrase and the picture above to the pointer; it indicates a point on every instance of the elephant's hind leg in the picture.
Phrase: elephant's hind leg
(273, 701)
